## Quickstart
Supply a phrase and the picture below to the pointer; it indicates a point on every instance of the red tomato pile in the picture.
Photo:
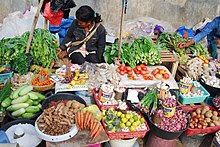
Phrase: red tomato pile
(138, 70)
(160, 74)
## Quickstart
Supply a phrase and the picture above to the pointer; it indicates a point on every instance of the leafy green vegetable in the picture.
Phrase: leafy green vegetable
(5, 93)
(20, 63)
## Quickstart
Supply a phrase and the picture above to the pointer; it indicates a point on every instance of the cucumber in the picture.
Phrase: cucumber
(20, 99)
(33, 96)
(15, 94)
(18, 112)
(39, 105)
(40, 96)
(27, 115)
(32, 109)
(25, 90)
(30, 102)
(35, 103)
(17, 106)
(6, 102)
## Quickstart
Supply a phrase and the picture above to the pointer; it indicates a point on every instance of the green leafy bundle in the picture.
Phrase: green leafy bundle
(20, 63)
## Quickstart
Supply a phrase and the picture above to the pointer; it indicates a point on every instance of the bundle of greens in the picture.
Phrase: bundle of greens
(20, 64)
(141, 50)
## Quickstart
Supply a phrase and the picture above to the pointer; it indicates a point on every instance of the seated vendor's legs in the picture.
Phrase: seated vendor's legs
(93, 58)
(77, 58)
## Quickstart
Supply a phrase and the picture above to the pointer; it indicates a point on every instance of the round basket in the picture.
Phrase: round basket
(44, 88)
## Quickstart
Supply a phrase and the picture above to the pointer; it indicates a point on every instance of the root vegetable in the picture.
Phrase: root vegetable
(211, 124)
(215, 113)
(214, 118)
(194, 114)
(217, 123)
(204, 111)
(198, 110)
(208, 114)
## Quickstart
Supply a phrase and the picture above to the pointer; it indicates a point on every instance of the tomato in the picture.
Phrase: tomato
(159, 76)
(128, 68)
(147, 71)
(150, 77)
(131, 77)
(118, 70)
(162, 71)
(125, 71)
(145, 76)
(139, 68)
(122, 73)
(143, 72)
(130, 73)
(166, 76)
(121, 68)
(154, 72)
(137, 72)
(142, 65)
(144, 68)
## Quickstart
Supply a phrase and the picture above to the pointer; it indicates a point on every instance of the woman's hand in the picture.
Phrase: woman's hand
(61, 54)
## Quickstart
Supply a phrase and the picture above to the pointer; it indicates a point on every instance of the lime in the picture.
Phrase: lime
(128, 116)
(142, 120)
(122, 115)
(122, 125)
(139, 116)
(132, 128)
(119, 113)
(134, 124)
(131, 120)
(131, 114)
(128, 124)
(138, 122)
(135, 118)
(124, 120)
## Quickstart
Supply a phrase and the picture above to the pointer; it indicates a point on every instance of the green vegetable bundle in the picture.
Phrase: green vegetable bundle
(169, 41)
(20, 64)
(142, 50)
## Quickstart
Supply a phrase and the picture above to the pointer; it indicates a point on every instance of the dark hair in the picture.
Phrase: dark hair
(86, 13)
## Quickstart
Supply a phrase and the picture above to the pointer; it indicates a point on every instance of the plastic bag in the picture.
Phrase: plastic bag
(54, 18)
(61, 4)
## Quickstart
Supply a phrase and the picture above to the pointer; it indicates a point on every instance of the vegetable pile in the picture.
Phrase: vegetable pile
(169, 102)
(43, 50)
(142, 50)
(87, 121)
(150, 98)
(212, 81)
(4, 94)
(216, 102)
(20, 64)
(176, 123)
(204, 117)
(42, 79)
(23, 102)
(170, 40)
(59, 119)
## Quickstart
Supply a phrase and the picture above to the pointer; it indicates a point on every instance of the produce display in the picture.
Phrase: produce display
(87, 121)
(212, 81)
(43, 49)
(19, 80)
(195, 68)
(20, 63)
(170, 41)
(4, 94)
(194, 91)
(141, 50)
(160, 74)
(58, 118)
(204, 117)
(117, 121)
(23, 102)
(42, 79)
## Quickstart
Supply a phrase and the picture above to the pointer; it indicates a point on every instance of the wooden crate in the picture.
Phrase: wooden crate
(168, 57)
(181, 72)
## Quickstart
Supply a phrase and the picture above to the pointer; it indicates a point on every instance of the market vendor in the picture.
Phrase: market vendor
(212, 31)
(85, 39)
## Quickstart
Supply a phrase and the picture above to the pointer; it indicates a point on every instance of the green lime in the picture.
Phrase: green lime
(138, 122)
(128, 116)
(135, 118)
(128, 124)
(132, 128)
(122, 115)
(119, 113)
(139, 116)
(131, 120)
(122, 125)
(134, 124)
(124, 120)
(142, 120)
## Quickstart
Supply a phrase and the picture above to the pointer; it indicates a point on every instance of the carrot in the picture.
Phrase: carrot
(82, 120)
(86, 118)
(95, 129)
(97, 133)
(89, 119)
(77, 119)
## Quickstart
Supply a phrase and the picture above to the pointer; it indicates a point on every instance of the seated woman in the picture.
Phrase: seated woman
(85, 39)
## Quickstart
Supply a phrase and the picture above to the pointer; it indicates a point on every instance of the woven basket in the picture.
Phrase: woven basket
(44, 88)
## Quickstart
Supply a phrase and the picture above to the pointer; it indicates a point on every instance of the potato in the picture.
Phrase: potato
(198, 110)
(208, 120)
(208, 114)
(217, 123)
(215, 113)
(214, 118)
(204, 110)
(194, 114)
(211, 124)
(207, 108)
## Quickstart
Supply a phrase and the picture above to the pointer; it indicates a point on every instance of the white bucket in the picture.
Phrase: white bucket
(123, 143)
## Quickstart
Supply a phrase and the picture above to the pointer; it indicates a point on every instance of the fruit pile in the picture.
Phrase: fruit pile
(133, 73)
(160, 74)
(116, 121)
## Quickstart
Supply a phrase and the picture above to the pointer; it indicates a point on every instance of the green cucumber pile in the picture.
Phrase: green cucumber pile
(23, 102)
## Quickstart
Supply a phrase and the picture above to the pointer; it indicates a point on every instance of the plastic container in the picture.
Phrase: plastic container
(212, 90)
(162, 133)
(123, 143)
(5, 76)
(196, 99)
(196, 131)
(3, 137)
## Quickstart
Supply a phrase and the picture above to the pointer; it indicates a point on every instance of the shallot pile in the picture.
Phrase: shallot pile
(176, 123)
(170, 102)
(216, 102)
